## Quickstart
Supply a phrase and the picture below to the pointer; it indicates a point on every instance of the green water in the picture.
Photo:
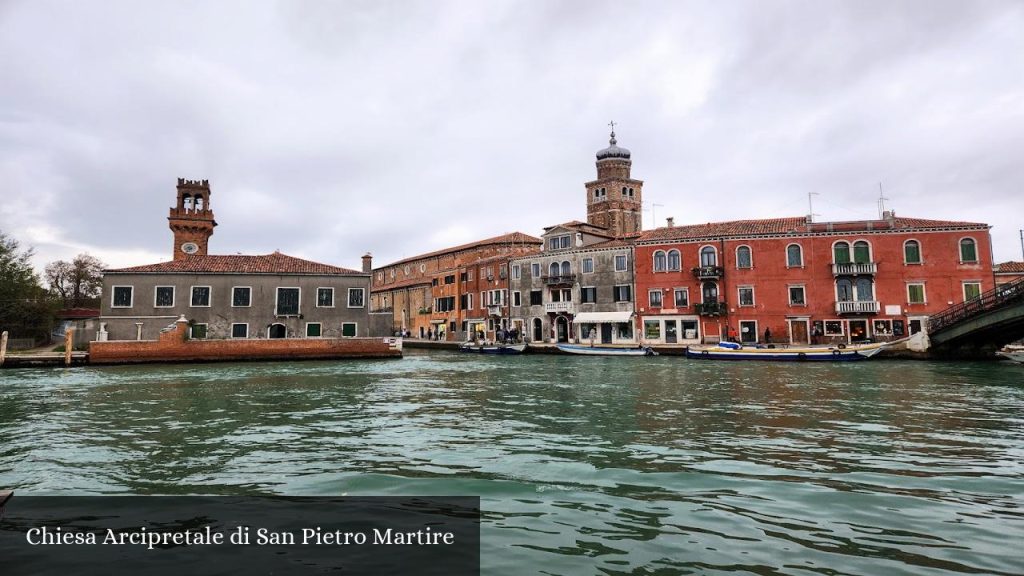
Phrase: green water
(584, 465)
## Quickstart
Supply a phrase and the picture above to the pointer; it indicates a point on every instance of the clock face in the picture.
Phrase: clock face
(190, 248)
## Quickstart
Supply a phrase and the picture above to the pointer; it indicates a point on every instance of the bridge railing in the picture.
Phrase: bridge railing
(996, 298)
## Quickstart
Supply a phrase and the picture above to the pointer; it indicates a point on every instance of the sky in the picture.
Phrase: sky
(332, 129)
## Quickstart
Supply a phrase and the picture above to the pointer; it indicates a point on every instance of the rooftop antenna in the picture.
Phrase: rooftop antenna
(1022, 243)
(881, 202)
(810, 207)
(654, 218)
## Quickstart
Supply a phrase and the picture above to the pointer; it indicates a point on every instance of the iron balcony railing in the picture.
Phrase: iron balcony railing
(494, 309)
(569, 307)
(708, 272)
(711, 308)
(560, 279)
(857, 307)
(996, 298)
(854, 268)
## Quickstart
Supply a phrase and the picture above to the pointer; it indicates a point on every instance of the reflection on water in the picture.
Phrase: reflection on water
(585, 465)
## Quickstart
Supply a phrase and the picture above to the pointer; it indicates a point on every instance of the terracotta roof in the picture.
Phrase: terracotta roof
(275, 263)
(921, 223)
(510, 238)
(1010, 268)
(582, 226)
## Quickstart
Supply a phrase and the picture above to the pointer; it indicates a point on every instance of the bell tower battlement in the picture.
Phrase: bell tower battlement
(191, 219)
(614, 199)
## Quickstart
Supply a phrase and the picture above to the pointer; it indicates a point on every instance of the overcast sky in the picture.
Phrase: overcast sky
(329, 129)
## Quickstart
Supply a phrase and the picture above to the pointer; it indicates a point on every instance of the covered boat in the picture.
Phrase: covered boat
(606, 350)
(492, 348)
(733, 351)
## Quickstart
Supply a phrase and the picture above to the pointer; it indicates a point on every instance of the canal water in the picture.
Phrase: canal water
(584, 465)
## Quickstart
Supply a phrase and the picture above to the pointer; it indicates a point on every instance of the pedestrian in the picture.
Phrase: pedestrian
(732, 334)
(430, 334)
(767, 335)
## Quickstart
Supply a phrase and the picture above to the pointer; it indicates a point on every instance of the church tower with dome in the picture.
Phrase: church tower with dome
(614, 200)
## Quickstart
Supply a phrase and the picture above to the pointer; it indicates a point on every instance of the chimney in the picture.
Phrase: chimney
(367, 263)
(670, 221)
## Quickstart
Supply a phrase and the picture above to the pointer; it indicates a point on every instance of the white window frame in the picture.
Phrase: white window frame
(249, 288)
(924, 293)
(700, 255)
(583, 266)
(517, 298)
(661, 298)
(515, 271)
(615, 292)
(277, 293)
(113, 293)
(320, 324)
(535, 269)
(625, 261)
(668, 260)
(684, 290)
(469, 301)
(789, 295)
(191, 296)
(232, 333)
(824, 330)
(965, 283)
(737, 256)
(853, 250)
(664, 260)
(349, 299)
(192, 327)
(174, 296)
(355, 331)
(318, 289)
(920, 252)
(281, 324)
(960, 252)
(785, 255)
(739, 298)
(582, 288)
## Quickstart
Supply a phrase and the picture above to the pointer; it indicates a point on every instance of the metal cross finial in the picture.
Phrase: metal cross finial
(612, 124)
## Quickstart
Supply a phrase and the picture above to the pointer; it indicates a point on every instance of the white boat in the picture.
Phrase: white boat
(606, 350)
(732, 351)
(1015, 353)
(492, 348)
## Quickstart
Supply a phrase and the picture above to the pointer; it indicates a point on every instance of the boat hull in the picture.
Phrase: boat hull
(605, 351)
(1016, 356)
(500, 349)
(850, 354)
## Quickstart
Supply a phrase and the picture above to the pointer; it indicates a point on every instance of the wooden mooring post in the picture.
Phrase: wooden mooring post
(3, 347)
(69, 341)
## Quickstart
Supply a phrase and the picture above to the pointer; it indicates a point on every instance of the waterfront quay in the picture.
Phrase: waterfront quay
(584, 465)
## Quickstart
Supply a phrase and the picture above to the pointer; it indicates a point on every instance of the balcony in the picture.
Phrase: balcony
(708, 272)
(562, 279)
(494, 310)
(857, 307)
(855, 269)
(711, 308)
(556, 307)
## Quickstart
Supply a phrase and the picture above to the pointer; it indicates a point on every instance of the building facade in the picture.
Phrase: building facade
(792, 281)
(234, 296)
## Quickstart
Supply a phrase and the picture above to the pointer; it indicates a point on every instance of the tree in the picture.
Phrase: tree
(76, 283)
(25, 310)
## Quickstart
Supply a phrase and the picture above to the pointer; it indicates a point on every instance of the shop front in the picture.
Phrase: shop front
(605, 327)
(671, 330)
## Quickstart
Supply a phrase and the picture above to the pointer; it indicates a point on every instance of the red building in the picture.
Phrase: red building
(788, 280)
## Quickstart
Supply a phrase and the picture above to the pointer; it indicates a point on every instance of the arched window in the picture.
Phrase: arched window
(186, 202)
(674, 260)
(199, 203)
(743, 258)
(861, 252)
(554, 269)
(659, 261)
(841, 253)
(844, 290)
(794, 256)
(968, 250)
(566, 269)
(912, 252)
(709, 292)
(865, 290)
(708, 256)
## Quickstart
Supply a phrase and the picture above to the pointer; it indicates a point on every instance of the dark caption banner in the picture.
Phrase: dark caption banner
(157, 535)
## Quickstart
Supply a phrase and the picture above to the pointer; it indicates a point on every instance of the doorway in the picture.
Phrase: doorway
(561, 329)
(671, 334)
(858, 330)
(748, 331)
(606, 333)
(798, 332)
(538, 330)
(277, 331)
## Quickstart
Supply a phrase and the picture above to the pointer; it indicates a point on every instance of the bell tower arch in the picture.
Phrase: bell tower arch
(191, 218)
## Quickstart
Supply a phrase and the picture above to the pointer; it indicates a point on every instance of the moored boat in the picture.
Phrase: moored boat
(606, 350)
(730, 351)
(492, 348)
(1015, 353)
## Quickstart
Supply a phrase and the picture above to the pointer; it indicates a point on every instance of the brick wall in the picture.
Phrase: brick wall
(173, 347)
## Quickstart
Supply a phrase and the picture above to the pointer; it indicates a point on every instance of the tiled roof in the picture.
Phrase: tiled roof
(794, 225)
(510, 238)
(1010, 267)
(275, 263)
(582, 226)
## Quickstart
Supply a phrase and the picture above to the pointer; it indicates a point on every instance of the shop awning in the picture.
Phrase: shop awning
(601, 317)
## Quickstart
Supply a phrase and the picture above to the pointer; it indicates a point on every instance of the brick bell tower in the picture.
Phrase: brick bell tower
(614, 200)
(191, 219)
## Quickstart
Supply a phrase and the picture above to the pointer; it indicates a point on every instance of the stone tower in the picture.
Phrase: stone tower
(191, 219)
(614, 200)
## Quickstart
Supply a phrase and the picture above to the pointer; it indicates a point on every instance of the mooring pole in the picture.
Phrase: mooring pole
(69, 339)
(3, 347)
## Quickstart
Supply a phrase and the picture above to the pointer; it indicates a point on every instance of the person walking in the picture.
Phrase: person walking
(767, 335)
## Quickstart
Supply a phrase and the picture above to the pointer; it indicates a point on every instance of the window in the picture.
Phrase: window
(682, 297)
(743, 258)
(406, 270)
(198, 331)
(588, 265)
(623, 293)
(559, 242)
(746, 294)
(844, 290)
(865, 290)
(463, 276)
(423, 267)
(348, 330)
(834, 328)
(164, 297)
(463, 301)
(469, 301)
(446, 304)
(325, 297)
(797, 296)
(620, 262)
(708, 256)
(200, 296)
(861, 252)
(535, 269)
(515, 271)
(433, 282)
(972, 290)
(536, 297)
(968, 250)
(287, 302)
(241, 296)
(911, 252)
(659, 261)
(553, 269)
(449, 279)
(709, 292)
(652, 329)
(312, 329)
(654, 298)
(469, 275)
(517, 299)
(566, 269)
(915, 293)
(355, 297)
(122, 297)
(239, 330)
(841, 253)
(794, 256)
(674, 260)
(588, 294)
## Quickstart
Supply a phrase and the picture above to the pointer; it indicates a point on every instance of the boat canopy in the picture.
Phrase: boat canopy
(601, 317)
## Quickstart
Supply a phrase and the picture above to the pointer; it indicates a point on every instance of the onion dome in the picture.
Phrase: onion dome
(613, 150)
